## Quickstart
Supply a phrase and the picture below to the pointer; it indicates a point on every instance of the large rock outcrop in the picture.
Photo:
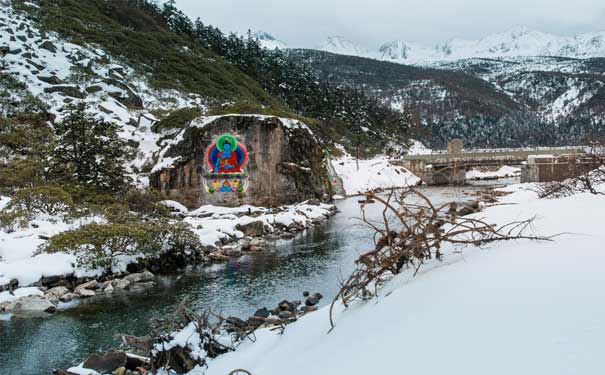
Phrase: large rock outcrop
(286, 163)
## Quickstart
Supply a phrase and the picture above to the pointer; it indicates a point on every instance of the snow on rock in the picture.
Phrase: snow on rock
(372, 174)
(504, 172)
(175, 206)
(214, 225)
(18, 293)
(50, 68)
(519, 307)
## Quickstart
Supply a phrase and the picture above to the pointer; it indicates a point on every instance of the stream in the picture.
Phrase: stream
(313, 261)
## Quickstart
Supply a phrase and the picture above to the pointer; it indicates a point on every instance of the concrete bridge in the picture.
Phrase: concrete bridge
(447, 167)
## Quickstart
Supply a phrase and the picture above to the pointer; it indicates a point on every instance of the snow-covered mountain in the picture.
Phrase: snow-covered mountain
(517, 42)
(268, 41)
(342, 46)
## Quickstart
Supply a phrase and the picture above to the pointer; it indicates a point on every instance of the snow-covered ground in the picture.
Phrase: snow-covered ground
(504, 172)
(372, 174)
(213, 225)
(520, 307)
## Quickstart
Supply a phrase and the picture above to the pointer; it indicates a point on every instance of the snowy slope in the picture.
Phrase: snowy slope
(517, 308)
(59, 73)
(372, 174)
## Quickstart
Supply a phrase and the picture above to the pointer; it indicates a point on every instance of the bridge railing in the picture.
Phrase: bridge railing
(497, 153)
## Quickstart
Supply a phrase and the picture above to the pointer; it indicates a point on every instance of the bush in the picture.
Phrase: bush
(177, 119)
(146, 203)
(100, 245)
(10, 220)
(119, 214)
(50, 200)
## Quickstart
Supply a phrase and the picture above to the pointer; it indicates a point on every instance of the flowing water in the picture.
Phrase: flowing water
(313, 261)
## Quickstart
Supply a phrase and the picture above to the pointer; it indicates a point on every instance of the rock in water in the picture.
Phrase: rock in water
(313, 300)
(253, 229)
(31, 305)
(272, 143)
(57, 292)
(107, 362)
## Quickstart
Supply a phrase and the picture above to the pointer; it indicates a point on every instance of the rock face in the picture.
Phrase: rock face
(286, 164)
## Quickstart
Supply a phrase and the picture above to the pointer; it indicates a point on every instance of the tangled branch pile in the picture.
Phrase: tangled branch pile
(412, 231)
(588, 173)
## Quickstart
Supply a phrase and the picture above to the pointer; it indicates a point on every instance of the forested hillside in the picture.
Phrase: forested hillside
(229, 73)
(488, 103)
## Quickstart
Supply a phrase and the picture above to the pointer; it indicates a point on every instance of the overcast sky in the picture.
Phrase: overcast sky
(306, 23)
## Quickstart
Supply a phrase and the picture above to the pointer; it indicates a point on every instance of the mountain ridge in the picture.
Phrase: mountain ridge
(519, 41)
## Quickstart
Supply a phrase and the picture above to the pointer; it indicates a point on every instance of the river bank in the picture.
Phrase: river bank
(544, 302)
(312, 261)
(534, 301)
(38, 284)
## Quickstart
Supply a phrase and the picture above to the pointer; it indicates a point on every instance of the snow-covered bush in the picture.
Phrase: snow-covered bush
(11, 220)
(49, 200)
(101, 245)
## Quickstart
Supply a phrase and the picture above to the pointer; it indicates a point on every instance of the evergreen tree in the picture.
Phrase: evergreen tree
(89, 152)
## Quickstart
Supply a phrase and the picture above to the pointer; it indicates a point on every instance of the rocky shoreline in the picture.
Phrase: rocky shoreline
(49, 294)
(148, 353)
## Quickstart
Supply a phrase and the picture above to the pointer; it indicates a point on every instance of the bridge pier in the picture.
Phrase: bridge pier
(451, 173)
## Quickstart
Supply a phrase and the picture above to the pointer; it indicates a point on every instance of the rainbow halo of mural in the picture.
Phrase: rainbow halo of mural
(226, 159)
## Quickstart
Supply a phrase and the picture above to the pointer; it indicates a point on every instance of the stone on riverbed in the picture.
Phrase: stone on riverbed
(91, 285)
(314, 299)
(139, 277)
(252, 229)
(56, 292)
(85, 293)
(67, 297)
(107, 362)
(31, 305)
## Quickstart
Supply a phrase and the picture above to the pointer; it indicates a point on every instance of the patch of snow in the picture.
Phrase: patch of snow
(503, 172)
(377, 173)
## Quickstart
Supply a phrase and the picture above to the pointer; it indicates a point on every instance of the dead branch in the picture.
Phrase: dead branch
(415, 232)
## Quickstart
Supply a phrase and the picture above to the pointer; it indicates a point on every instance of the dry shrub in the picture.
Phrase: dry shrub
(412, 231)
(589, 172)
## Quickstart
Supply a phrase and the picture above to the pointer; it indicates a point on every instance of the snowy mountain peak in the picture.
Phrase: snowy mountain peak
(342, 46)
(519, 41)
(268, 41)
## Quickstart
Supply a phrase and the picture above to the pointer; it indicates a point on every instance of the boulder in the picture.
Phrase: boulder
(106, 363)
(313, 300)
(127, 97)
(262, 313)
(308, 309)
(31, 305)
(67, 297)
(67, 90)
(139, 277)
(57, 292)
(270, 141)
(53, 80)
(120, 283)
(92, 284)
(252, 229)
(49, 46)
(139, 287)
(85, 293)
